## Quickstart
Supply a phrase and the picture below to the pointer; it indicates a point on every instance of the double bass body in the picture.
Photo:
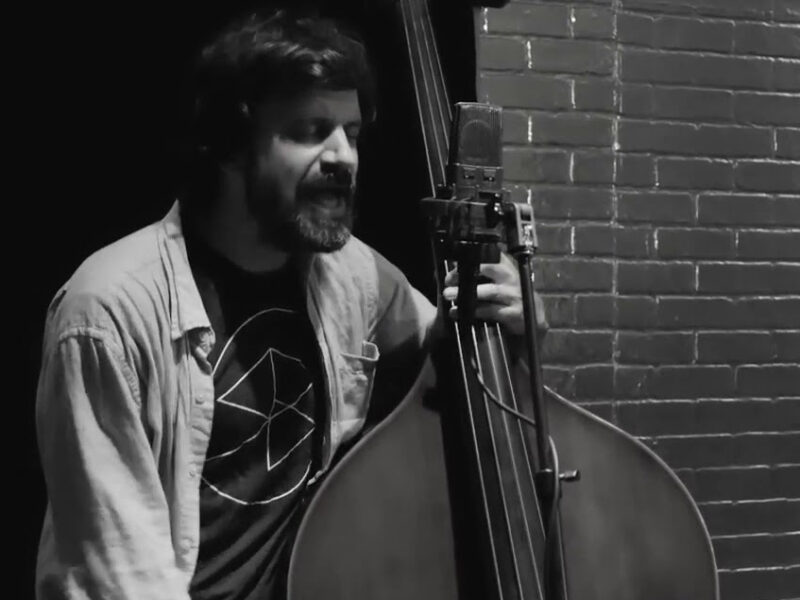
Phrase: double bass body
(382, 525)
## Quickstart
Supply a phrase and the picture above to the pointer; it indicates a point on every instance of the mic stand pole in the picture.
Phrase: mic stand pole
(521, 241)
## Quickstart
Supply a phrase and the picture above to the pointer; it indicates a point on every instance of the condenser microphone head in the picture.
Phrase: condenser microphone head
(478, 132)
(476, 149)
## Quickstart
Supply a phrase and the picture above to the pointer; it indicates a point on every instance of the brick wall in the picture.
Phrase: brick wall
(659, 142)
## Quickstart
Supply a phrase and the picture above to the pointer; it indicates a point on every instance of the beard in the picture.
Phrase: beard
(319, 219)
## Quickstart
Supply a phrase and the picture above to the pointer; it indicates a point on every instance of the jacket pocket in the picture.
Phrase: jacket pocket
(356, 376)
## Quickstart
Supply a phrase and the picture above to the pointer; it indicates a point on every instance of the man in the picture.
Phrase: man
(199, 374)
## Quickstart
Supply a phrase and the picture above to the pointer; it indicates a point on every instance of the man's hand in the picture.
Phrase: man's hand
(500, 300)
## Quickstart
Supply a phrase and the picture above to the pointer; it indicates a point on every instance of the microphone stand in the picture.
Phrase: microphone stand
(521, 240)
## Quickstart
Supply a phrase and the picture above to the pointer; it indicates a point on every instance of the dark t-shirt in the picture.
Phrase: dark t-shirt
(269, 416)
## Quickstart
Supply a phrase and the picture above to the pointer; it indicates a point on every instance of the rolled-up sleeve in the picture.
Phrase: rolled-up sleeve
(107, 529)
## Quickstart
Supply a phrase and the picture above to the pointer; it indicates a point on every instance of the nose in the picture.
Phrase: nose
(339, 151)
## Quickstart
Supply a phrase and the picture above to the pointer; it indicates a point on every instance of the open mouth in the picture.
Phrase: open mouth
(334, 198)
(329, 200)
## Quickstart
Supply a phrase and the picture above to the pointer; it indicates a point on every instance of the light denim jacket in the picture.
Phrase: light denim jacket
(126, 398)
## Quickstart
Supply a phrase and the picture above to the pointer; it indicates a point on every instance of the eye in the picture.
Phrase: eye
(352, 132)
(309, 131)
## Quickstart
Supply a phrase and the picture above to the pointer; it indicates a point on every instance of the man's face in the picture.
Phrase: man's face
(302, 175)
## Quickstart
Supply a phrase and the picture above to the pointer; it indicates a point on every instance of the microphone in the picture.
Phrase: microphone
(475, 167)
(467, 214)
(476, 207)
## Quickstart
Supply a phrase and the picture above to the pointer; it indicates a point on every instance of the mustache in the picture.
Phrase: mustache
(345, 185)
(335, 178)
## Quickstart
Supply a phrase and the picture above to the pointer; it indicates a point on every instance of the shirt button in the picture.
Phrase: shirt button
(193, 472)
(198, 400)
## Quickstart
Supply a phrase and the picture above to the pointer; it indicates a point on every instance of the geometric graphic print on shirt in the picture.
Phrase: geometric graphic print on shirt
(272, 434)
(266, 434)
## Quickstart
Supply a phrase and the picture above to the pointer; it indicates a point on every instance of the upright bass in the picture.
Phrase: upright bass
(462, 492)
